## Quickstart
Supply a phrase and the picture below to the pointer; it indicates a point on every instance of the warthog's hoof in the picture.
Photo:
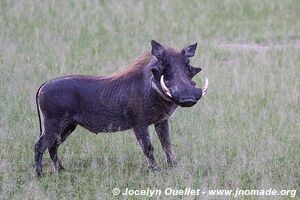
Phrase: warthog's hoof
(154, 168)
(60, 168)
(172, 163)
(38, 173)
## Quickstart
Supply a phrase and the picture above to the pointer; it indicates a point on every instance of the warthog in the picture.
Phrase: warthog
(146, 93)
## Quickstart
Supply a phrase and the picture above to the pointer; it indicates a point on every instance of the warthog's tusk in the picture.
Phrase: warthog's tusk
(164, 87)
(205, 87)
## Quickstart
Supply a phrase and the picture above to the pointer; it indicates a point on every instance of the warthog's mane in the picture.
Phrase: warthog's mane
(136, 67)
(147, 60)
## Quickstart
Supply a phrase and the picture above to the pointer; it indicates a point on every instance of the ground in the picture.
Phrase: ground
(244, 134)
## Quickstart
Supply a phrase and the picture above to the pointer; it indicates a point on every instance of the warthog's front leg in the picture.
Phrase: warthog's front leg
(162, 130)
(143, 137)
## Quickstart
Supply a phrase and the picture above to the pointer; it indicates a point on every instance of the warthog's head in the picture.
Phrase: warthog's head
(174, 74)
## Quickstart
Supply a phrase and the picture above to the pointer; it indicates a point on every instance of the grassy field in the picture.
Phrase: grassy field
(244, 134)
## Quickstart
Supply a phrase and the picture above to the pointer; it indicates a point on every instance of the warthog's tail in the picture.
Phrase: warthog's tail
(38, 108)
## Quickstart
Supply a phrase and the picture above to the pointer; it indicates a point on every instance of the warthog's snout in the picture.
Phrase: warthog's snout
(185, 97)
(187, 102)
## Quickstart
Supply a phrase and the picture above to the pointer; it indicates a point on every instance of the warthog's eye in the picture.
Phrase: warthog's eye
(165, 64)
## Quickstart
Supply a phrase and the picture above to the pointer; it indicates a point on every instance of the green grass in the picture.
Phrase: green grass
(244, 134)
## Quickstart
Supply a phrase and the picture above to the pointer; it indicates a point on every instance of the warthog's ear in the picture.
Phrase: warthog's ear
(195, 70)
(190, 50)
(157, 49)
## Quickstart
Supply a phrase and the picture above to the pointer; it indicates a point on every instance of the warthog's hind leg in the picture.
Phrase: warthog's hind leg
(59, 140)
(39, 148)
(53, 154)
(47, 139)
